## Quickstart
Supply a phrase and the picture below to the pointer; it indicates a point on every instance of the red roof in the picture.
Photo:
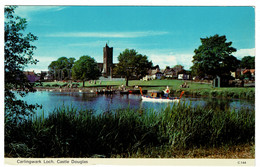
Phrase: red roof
(251, 71)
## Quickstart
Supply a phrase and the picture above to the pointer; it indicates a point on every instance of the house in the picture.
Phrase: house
(158, 75)
(47, 77)
(147, 78)
(183, 76)
(237, 73)
(31, 76)
(154, 73)
(240, 72)
(250, 71)
(169, 73)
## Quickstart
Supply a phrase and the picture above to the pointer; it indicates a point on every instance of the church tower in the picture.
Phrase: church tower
(107, 60)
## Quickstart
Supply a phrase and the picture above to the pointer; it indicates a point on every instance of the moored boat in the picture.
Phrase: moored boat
(136, 91)
(124, 92)
(132, 91)
(105, 92)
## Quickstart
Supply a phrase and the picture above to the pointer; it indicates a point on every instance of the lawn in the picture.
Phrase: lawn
(161, 84)
(195, 88)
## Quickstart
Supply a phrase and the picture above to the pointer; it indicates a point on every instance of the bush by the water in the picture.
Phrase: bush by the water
(243, 93)
(68, 132)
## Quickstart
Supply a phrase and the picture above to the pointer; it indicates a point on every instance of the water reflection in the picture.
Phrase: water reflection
(105, 103)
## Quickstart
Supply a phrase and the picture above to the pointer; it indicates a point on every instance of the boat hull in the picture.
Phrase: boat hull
(160, 99)
(105, 92)
(132, 92)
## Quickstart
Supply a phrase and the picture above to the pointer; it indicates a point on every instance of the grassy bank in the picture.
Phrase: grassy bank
(178, 131)
(238, 93)
(174, 84)
(195, 88)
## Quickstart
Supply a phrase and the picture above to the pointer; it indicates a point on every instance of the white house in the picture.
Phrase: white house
(183, 76)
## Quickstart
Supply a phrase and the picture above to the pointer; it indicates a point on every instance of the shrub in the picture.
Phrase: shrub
(55, 85)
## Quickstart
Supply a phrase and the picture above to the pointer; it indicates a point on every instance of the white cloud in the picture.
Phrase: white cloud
(171, 58)
(244, 52)
(108, 34)
(163, 60)
(26, 11)
(168, 57)
(42, 65)
(90, 44)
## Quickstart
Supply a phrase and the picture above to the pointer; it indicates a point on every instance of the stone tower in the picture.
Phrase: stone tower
(107, 61)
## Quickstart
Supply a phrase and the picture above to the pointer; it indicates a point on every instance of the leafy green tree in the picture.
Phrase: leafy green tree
(132, 64)
(178, 68)
(213, 57)
(86, 68)
(18, 52)
(248, 62)
(61, 68)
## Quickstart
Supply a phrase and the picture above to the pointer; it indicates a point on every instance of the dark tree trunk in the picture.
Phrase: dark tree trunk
(126, 81)
(83, 83)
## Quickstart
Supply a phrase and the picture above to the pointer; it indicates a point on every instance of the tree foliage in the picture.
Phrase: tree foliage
(61, 68)
(248, 62)
(132, 64)
(85, 68)
(178, 68)
(18, 52)
(213, 57)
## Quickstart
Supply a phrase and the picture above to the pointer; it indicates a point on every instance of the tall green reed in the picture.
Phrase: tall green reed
(69, 132)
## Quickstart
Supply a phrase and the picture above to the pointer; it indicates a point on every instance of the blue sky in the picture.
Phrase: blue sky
(167, 35)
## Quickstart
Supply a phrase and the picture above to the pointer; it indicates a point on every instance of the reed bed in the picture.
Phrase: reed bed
(69, 132)
(237, 93)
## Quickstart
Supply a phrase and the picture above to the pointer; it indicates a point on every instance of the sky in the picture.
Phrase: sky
(167, 35)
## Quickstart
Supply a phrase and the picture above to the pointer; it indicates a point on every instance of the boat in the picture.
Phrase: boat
(132, 91)
(156, 97)
(160, 99)
(124, 92)
(106, 92)
(136, 91)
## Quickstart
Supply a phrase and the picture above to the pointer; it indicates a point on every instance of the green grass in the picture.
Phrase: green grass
(158, 83)
(68, 132)
(195, 89)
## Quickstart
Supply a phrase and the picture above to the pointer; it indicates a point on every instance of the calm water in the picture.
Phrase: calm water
(103, 103)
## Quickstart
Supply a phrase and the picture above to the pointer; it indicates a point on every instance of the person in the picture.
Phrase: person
(166, 91)
(122, 87)
(185, 85)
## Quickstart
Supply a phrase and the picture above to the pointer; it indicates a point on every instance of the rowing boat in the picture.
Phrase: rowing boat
(155, 98)
(160, 99)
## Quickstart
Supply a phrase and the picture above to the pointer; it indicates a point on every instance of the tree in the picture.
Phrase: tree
(248, 62)
(61, 68)
(132, 64)
(18, 52)
(178, 69)
(85, 68)
(213, 57)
